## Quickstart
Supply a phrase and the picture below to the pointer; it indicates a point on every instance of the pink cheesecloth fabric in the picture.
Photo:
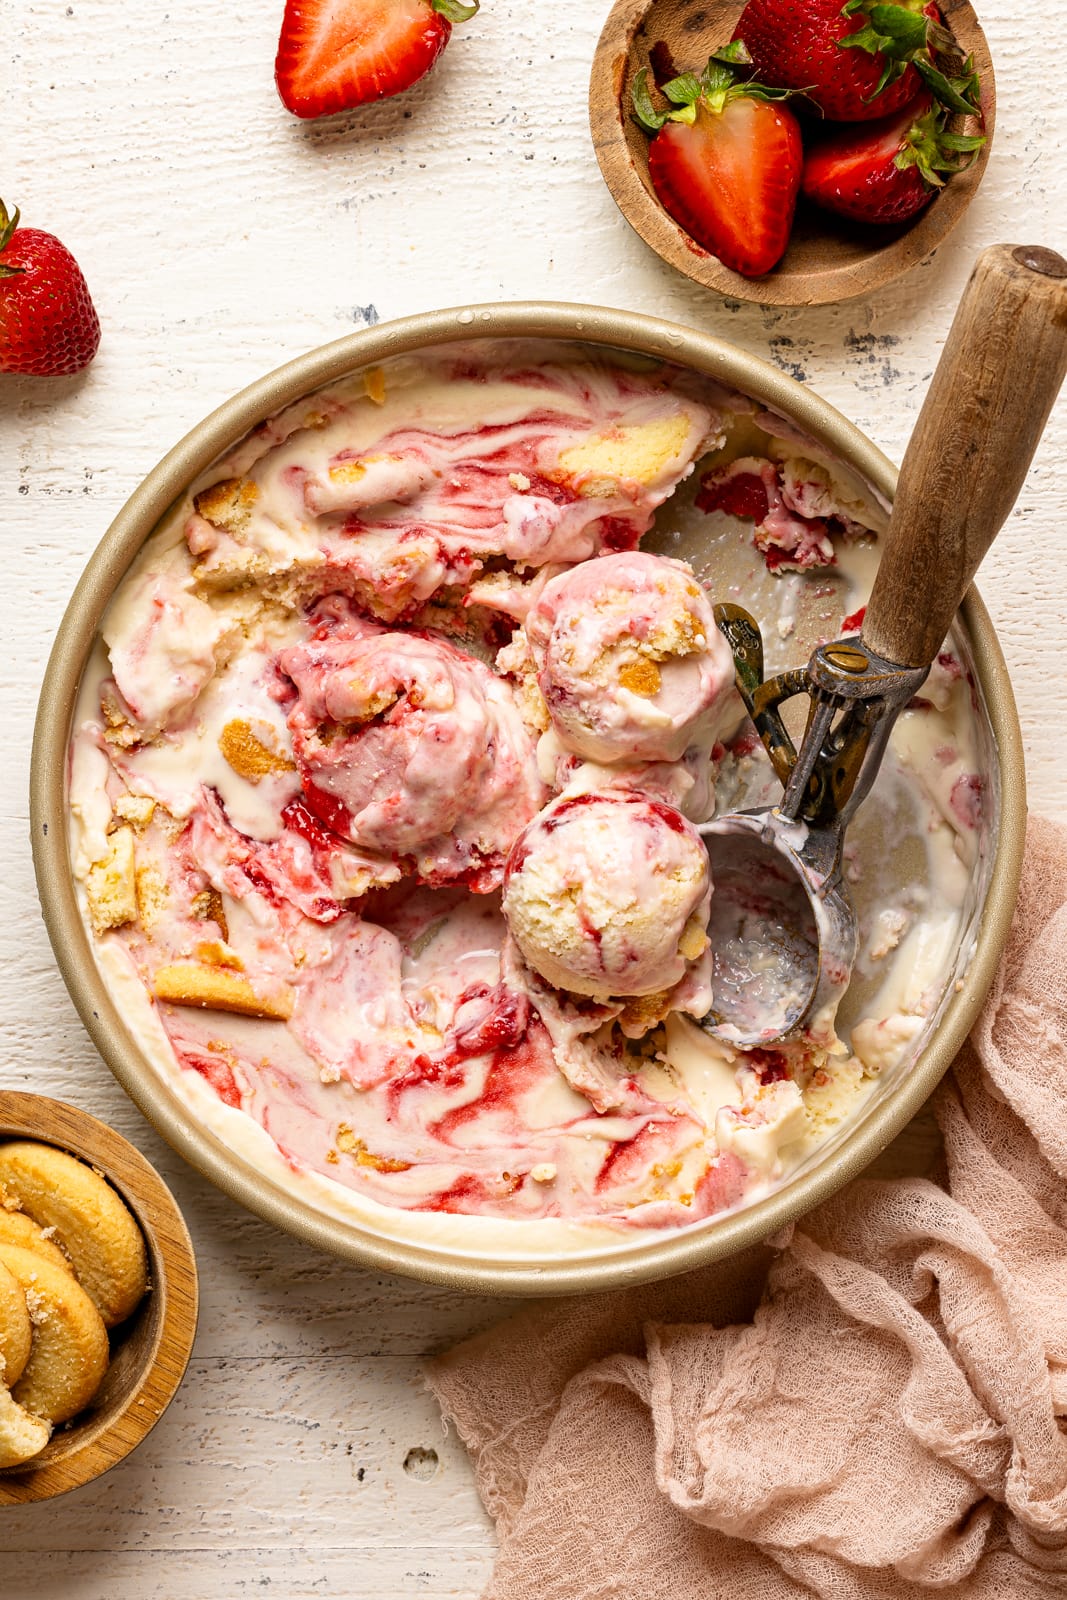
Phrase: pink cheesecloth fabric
(890, 1423)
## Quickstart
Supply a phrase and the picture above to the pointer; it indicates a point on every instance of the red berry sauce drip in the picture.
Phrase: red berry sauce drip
(744, 495)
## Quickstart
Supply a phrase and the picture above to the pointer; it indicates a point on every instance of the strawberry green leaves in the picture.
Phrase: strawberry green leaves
(961, 95)
(905, 35)
(715, 86)
(931, 148)
(893, 31)
(455, 10)
(649, 118)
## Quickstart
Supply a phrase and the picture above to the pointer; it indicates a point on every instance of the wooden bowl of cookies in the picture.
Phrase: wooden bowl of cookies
(829, 257)
(98, 1298)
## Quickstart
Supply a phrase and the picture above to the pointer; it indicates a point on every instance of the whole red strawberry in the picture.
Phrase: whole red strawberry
(887, 171)
(855, 61)
(48, 323)
(726, 162)
(336, 54)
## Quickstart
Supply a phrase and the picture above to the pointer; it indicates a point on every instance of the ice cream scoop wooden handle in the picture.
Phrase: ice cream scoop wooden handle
(986, 409)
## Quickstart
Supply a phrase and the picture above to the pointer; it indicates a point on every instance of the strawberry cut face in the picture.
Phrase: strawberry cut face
(336, 54)
(730, 179)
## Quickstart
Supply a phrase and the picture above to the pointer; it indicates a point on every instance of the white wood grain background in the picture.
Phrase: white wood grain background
(220, 237)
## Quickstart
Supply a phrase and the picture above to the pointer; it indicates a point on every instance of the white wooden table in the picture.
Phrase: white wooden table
(220, 237)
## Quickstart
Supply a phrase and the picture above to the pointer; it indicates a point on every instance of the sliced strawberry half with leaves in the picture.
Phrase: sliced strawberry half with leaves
(726, 162)
(891, 51)
(336, 54)
(888, 171)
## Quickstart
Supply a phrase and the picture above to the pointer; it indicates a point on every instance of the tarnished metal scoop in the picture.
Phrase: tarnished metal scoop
(782, 930)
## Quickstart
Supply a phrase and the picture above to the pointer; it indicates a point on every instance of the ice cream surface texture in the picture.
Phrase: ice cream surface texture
(410, 747)
(383, 779)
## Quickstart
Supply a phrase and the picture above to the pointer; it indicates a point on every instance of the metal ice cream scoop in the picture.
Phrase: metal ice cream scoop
(783, 931)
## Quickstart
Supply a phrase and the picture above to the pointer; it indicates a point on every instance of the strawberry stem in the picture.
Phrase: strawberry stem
(904, 36)
(455, 10)
(717, 85)
(7, 226)
(7, 231)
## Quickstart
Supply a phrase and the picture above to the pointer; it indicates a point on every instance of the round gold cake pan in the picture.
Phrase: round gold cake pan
(639, 1258)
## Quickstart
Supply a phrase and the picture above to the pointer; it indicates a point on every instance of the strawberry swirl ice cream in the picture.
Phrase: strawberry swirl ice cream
(607, 895)
(381, 779)
(794, 505)
(557, 464)
(409, 747)
(629, 659)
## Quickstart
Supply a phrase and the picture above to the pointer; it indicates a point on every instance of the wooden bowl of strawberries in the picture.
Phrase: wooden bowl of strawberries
(792, 152)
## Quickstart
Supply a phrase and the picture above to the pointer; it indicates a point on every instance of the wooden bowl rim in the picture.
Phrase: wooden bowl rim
(609, 84)
(173, 1285)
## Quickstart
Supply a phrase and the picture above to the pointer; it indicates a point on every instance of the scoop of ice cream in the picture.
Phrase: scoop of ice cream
(607, 895)
(411, 748)
(629, 659)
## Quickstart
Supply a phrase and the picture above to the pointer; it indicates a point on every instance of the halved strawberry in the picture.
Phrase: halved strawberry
(887, 171)
(335, 54)
(726, 163)
(891, 51)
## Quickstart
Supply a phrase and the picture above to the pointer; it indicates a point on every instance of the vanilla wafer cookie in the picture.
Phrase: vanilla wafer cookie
(22, 1436)
(217, 988)
(92, 1223)
(69, 1348)
(15, 1329)
(18, 1228)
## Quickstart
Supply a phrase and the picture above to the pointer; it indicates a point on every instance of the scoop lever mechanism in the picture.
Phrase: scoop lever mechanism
(786, 929)
(854, 698)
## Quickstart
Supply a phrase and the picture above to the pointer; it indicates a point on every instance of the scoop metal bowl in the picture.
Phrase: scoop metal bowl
(614, 1258)
(783, 931)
